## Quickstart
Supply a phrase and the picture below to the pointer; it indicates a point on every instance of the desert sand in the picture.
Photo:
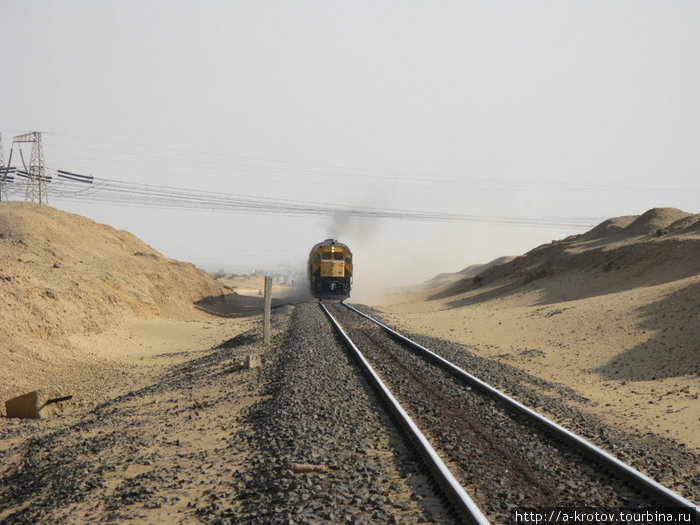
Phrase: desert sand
(613, 313)
(87, 308)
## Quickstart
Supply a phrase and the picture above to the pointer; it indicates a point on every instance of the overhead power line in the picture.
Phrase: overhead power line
(316, 173)
(75, 177)
(70, 186)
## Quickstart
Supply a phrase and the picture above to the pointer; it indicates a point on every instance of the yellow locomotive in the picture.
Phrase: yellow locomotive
(330, 270)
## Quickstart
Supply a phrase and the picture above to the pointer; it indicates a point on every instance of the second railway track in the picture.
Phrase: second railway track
(501, 456)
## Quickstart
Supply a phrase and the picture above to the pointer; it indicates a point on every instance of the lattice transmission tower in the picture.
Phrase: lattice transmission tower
(36, 171)
(3, 174)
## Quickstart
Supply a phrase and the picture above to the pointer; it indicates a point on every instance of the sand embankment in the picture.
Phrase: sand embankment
(75, 296)
(613, 313)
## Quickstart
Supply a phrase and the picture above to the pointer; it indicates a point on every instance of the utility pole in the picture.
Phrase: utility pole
(36, 172)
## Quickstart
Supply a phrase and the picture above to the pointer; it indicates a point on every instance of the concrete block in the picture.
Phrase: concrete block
(252, 361)
(38, 404)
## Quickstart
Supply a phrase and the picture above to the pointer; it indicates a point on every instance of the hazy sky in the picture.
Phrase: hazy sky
(499, 109)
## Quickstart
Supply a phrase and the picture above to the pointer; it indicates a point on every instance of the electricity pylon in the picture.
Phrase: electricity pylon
(3, 174)
(36, 172)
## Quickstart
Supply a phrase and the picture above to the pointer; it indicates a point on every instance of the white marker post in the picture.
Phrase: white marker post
(268, 307)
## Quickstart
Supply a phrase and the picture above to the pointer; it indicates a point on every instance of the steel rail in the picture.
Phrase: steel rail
(465, 506)
(666, 495)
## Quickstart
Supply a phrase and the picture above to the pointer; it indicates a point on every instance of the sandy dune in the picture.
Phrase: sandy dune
(613, 313)
(64, 279)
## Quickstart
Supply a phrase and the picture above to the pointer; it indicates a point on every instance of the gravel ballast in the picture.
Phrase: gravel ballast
(208, 441)
(663, 459)
(320, 411)
(211, 442)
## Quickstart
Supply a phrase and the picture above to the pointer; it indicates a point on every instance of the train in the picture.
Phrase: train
(330, 270)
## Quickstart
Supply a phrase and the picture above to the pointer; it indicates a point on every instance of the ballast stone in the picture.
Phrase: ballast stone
(37, 404)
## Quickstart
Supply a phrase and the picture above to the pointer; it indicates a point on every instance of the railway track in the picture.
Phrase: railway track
(304, 439)
(489, 452)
